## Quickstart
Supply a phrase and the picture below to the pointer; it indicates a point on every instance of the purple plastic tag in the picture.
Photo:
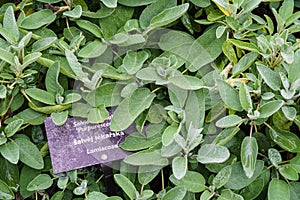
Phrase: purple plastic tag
(78, 144)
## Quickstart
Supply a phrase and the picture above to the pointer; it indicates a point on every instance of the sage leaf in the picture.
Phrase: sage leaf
(244, 45)
(168, 15)
(97, 115)
(289, 172)
(135, 3)
(154, 9)
(75, 65)
(274, 156)
(229, 95)
(269, 108)
(29, 154)
(278, 190)
(177, 193)
(93, 49)
(6, 56)
(229, 121)
(13, 127)
(10, 151)
(110, 3)
(43, 44)
(244, 63)
(254, 189)
(179, 167)
(147, 157)
(133, 61)
(10, 24)
(41, 182)
(285, 139)
(51, 81)
(30, 58)
(187, 82)
(75, 13)
(126, 185)
(91, 27)
(136, 141)
(59, 118)
(41, 95)
(239, 180)
(249, 151)
(271, 78)
(211, 153)
(222, 177)
(130, 108)
(169, 135)
(192, 181)
(245, 98)
(38, 19)
(5, 191)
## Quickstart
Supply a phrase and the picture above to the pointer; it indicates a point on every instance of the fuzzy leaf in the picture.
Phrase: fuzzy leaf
(249, 151)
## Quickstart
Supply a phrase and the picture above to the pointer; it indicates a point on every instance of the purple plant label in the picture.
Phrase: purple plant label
(78, 144)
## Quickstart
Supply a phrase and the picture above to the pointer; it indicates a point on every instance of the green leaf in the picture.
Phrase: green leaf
(10, 151)
(5, 191)
(285, 139)
(274, 156)
(43, 44)
(81, 189)
(211, 153)
(187, 82)
(130, 108)
(133, 61)
(107, 94)
(269, 108)
(75, 13)
(59, 118)
(147, 173)
(245, 98)
(135, 3)
(286, 9)
(179, 167)
(96, 195)
(271, 78)
(13, 127)
(97, 115)
(249, 151)
(177, 95)
(248, 6)
(110, 3)
(244, 63)
(168, 15)
(192, 181)
(91, 27)
(252, 190)
(294, 190)
(289, 172)
(32, 117)
(126, 185)
(31, 58)
(3, 92)
(229, 121)
(41, 182)
(136, 141)
(51, 81)
(6, 56)
(10, 24)
(169, 135)
(93, 49)
(222, 177)
(75, 65)
(29, 154)
(278, 190)
(289, 112)
(244, 45)
(293, 71)
(226, 135)
(154, 9)
(177, 193)
(148, 157)
(238, 179)
(229, 51)
(38, 19)
(41, 95)
(111, 24)
(296, 163)
(229, 195)
(9, 173)
(229, 95)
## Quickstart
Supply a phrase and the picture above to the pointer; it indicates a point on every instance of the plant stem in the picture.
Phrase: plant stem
(162, 179)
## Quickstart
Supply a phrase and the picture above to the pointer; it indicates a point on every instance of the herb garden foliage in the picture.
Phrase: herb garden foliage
(215, 82)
